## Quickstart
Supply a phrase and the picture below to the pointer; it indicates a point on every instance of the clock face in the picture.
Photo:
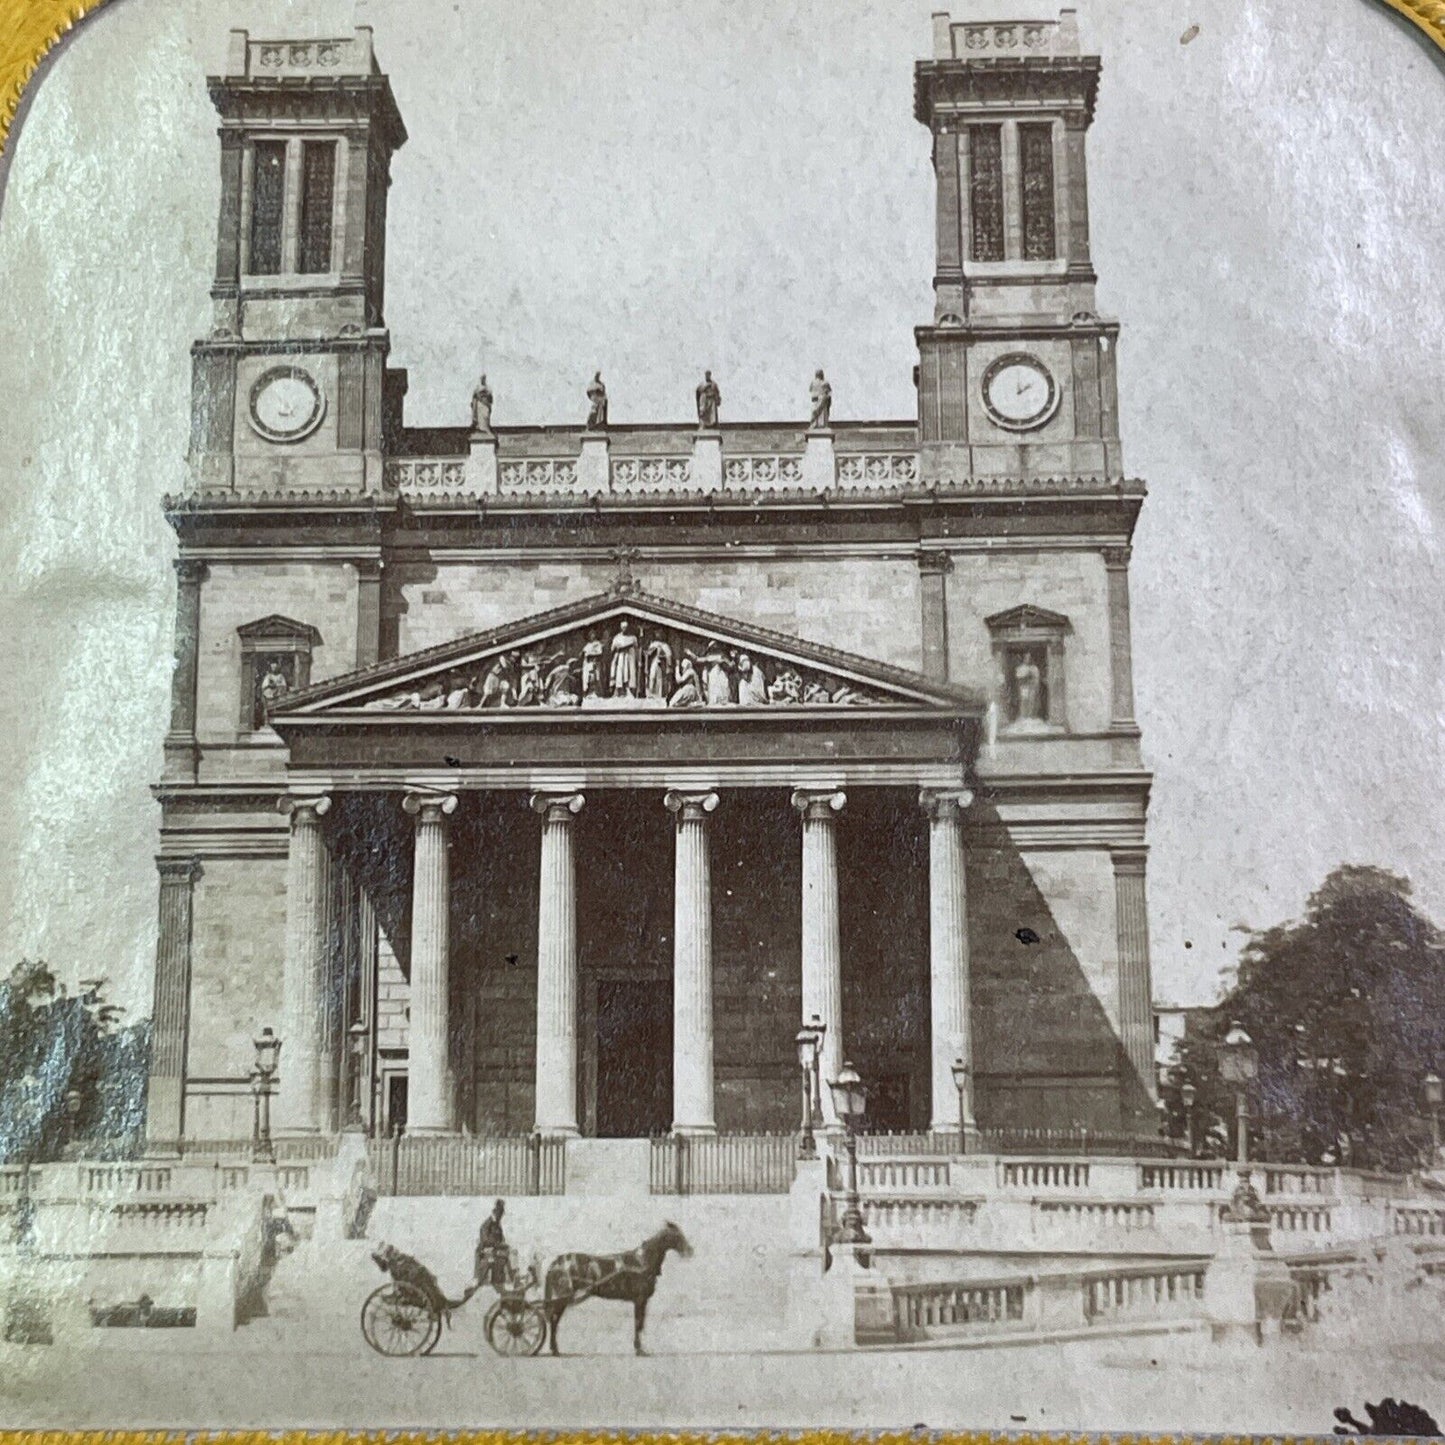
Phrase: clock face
(286, 404)
(1019, 392)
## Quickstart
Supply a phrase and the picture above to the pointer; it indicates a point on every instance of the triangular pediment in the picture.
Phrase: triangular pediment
(276, 628)
(1027, 617)
(623, 651)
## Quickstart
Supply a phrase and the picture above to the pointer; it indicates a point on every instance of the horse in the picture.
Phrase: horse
(571, 1278)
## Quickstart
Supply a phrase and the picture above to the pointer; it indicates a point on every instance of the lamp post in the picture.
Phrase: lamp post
(810, 1045)
(1239, 1066)
(268, 1053)
(73, 1102)
(1434, 1097)
(850, 1099)
(356, 1052)
(1187, 1094)
(959, 1069)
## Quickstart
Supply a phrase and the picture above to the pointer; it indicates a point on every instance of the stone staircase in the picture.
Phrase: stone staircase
(730, 1295)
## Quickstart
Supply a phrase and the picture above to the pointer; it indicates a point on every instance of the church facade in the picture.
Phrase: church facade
(549, 778)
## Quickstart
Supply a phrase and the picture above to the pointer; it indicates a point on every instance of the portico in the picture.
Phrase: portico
(526, 781)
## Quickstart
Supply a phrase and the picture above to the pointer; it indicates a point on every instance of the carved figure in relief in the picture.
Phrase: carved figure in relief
(752, 684)
(820, 393)
(529, 680)
(688, 692)
(432, 698)
(815, 692)
(786, 688)
(497, 690)
(709, 402)
(461, 697)
(557, 690)
(658, 656)
(1028, 681)
(717, 682)
(482, 407)
(622, 669)
(592, 651)
(597, 404)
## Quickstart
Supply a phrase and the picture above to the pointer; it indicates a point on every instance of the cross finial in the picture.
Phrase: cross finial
(622, 557)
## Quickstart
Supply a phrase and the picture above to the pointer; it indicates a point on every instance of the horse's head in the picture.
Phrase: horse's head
(673, 1238)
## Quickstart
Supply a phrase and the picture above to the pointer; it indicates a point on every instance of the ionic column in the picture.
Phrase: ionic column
(556, 1063)
(822, 947)
(166, 1089)
(692, 1025)
(1136, 1003)
(948, 958)
(429, 1093)
(305, 984)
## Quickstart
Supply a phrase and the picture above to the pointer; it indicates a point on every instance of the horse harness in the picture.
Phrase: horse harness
(585, 1274)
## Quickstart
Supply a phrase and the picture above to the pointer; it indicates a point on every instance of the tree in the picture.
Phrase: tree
(1347, 1010)
(70, 1073)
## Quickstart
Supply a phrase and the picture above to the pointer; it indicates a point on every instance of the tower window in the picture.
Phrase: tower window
(318, 183)
(985, 192)
(268, 201)
(1036, 191)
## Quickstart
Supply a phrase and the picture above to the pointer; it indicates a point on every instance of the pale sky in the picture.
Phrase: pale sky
(654, 186)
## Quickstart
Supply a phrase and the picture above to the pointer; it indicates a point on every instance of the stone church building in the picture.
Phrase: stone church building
(548, 778)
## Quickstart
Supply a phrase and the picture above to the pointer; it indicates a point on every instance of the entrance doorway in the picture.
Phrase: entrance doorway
(634, 1057)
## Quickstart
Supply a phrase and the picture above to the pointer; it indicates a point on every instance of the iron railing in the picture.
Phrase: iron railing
(722, 1163)
(501, 1164)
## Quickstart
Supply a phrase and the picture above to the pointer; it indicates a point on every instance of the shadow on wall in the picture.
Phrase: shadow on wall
(1045, 1050)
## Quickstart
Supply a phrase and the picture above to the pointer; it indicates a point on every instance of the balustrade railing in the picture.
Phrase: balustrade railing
(519, 1165)
(1093, 1214)
(126, 1178)
(763, 471)
(924, 1311)
(1132, 1295)
(664, 473)
(898, 1173)
(722, 1163)
(901, 1215)
(1181, 1176)
(1418, 1219)
(1042, 1174)
(538, 474)
(877, 469)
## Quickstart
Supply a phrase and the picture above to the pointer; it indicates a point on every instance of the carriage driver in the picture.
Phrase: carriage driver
(493, 1258)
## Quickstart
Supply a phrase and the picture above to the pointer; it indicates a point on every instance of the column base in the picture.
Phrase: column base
(557, 1131)
(695, 1131)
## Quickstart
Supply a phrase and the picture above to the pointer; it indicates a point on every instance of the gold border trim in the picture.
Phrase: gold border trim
(28, 30)
(1429, 15)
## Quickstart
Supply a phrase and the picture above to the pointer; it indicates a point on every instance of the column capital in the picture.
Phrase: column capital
(178, 870)
(934, 563)
(689, 807)
(368, 569)
(556, 807)
(297, 805)
(817, 804)
(191, 570)
(945, 803)
(1129, 861)
(1117, 558)
(430, 807)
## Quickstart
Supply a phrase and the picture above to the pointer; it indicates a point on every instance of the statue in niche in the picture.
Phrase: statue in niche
(786, 688)
(752, 684)
(592, 651)
(688, 693)
(717, 681)
(482, 407)
(658, 658)
(709, 403)
(272, 687)
(820, 393)
(1027, 698)
(622, 670)
(557, 690)
(597, 404)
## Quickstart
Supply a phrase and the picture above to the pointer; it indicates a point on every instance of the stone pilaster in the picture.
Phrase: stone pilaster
(951, 1013)
(933, 570)
(305, 985)
(556, 1096)
(707, 466)
(1121, 653)
(822, 946)
(820, 462)
(166, 1091)
(180, 742)
(692, 1019)
(1136, 1001)
(368, 610)
(430, 1096)
(594, 466)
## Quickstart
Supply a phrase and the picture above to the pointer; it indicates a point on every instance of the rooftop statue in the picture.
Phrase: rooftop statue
(482, 407)
(597, 404)
(709, 400)
(820, 393)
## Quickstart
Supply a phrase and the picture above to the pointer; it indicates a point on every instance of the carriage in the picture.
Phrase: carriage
(405, 1316)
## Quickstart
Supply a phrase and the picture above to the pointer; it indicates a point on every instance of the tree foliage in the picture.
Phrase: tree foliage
(1346, 1008)
(70, 1072)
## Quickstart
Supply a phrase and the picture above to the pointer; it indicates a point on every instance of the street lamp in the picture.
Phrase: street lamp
(850, 1099)
(1239, 1065)
(810, 1045)
(1434, 1097)
(959, 1069)
(356, 1049)
(268, 1052)
(1187, 1094)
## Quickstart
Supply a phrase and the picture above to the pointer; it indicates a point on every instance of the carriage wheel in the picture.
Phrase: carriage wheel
(398, 1320)
(516, 1327)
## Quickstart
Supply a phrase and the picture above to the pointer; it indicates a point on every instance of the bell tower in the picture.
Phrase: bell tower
(1016, 374)
(287, 388)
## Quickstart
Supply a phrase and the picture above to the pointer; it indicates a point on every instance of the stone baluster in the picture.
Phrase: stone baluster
(430, 1094)
(308, 957)
(948, 958)
(692, 1018)
(822, 946)
(556, 1062)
